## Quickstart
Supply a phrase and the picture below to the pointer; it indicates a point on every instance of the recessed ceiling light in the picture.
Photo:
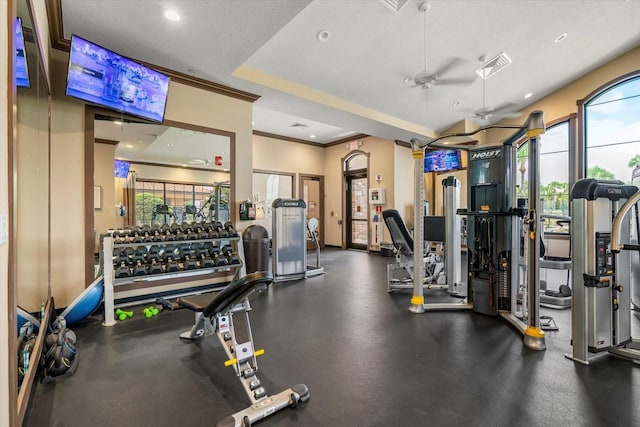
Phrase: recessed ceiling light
(560, 37)
(172, 15)
(323, 35)
(528, 95)
(253, 123)
(117, 122)
(129, 146)
(456, 103)
(312, 136)
(170, 144)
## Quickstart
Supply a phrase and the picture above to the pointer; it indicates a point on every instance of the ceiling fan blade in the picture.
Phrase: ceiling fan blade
(511, 115)
(452, 63)
(454, 82)
(506, 108)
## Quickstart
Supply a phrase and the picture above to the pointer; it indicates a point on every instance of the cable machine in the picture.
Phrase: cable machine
(601, 264)
(493, 220)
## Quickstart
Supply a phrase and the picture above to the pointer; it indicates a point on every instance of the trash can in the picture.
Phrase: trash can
(255, 241)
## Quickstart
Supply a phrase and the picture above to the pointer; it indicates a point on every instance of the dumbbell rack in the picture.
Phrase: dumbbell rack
(176, 283)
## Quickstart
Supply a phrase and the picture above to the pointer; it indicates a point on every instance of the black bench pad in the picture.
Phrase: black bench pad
(212, 303)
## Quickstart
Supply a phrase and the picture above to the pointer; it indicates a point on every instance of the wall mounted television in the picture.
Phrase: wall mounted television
(442, 160)
(121, 168)
(20, 60)
(103, 77)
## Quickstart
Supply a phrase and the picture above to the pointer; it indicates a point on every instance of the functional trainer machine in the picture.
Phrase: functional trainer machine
(214, 315)
(493, 221)
(443, 271)
(602, 280)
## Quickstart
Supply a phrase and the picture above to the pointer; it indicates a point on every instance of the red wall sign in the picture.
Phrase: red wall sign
(218, 160)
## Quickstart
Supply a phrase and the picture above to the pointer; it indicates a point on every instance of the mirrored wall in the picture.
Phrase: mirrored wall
(155, 174)
(32, 146)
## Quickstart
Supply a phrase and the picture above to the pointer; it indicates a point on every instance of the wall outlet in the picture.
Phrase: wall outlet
(4, 229)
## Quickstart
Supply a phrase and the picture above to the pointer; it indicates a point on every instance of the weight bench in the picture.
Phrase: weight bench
(403, 242)
(214, 315)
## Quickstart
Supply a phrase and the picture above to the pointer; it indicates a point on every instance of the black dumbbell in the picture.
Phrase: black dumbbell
(167, 252)
(169, 237)
(227, 250)
(172, 265)
(233, 259)
(140, 254)
(139, 269)
(157, 236)
(122, 271)
(214, 250)
(230, 229)
(220, 260)
(206, 261)
(189, 263)
(154, 253)
(222, 233)
(155, 267)
(137, 238)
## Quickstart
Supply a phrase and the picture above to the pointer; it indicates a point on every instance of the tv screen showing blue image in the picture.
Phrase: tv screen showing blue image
(103, 77)
(442, 160)
(121, 168)
(20, 59)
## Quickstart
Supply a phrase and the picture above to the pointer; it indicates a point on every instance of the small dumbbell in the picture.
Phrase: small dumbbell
(122, 315)
(150, 312)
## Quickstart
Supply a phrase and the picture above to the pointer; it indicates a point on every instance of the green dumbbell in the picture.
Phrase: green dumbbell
(122, 315)
(150, 312)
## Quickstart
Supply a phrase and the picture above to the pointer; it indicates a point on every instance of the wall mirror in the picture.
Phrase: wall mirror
(32, 195)
(32, 176)
(155, 174)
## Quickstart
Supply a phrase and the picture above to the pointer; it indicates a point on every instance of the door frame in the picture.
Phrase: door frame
(320, 178)
(345, 172)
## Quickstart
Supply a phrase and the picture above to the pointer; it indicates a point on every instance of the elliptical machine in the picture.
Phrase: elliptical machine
(601, 263)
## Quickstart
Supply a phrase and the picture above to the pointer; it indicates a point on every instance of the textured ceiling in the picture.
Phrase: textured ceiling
(353, 82)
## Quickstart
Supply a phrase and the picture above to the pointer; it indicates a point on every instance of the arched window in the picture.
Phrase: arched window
(355, 162)
(554, 168)
(612, 131)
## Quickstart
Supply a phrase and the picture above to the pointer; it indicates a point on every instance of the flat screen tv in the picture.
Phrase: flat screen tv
(103, 77)
(442, 160)
(121, 168)
(20, 60)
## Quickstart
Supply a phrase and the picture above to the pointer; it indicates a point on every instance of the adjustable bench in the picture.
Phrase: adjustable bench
(214, 314)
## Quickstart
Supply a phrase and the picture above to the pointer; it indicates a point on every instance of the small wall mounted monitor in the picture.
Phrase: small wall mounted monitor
(121, 168)
(20, 59)
(442, 160)
(100, 76)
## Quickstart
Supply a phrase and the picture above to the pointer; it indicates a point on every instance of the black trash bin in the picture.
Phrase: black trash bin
(255, 241)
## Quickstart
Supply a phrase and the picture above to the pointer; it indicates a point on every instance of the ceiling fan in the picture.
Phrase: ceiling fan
(505, 111)
(425, 79)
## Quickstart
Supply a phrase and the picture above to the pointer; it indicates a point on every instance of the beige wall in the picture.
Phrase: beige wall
(67, 188)
(105, 217)
(403, 184)
(381, 162)
(185, 104)
(33, 195)
(269, 154)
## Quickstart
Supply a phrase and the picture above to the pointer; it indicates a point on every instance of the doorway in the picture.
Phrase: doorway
(357, 224)
(312, 192)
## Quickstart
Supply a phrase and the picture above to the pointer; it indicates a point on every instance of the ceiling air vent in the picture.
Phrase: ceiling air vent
(493, 65)
(394, 5)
